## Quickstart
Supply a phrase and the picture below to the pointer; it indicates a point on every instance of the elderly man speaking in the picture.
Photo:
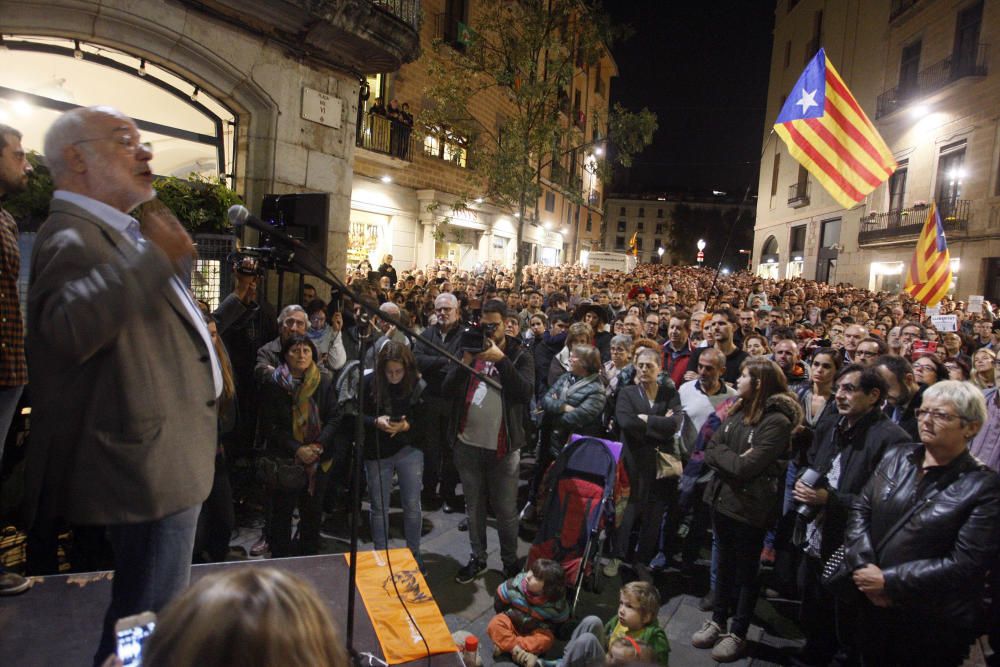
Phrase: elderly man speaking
(123, 373)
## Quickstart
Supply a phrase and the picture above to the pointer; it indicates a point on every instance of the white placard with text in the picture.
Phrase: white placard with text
(321, 108)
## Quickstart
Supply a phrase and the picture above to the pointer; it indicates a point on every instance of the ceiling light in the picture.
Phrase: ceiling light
(919, 111)
(479, 200)
(194, 95)
(386, 179)
(517, 215)
(142, 67)
(547, 225)
(77, 51)
(598, 151)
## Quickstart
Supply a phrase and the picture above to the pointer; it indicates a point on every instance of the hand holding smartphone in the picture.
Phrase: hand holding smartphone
(131, 633)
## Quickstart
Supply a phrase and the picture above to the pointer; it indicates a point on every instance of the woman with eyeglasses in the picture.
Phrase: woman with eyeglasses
(620, 347)
(928, 369)
(922, 536)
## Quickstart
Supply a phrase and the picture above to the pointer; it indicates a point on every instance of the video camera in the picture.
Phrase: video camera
(256, 261)
(474, 336)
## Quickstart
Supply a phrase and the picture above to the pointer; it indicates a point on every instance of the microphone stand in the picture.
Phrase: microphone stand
(305, 261)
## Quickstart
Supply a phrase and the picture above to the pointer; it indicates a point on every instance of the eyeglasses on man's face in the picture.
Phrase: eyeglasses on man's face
(126, 140)
(938, 416)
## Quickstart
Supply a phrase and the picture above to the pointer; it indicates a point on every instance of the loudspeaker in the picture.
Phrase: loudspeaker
(303, 216)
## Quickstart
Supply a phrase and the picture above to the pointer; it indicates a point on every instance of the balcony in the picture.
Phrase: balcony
(900, 7)
(892, 225)
(798, 194)
(386, 136)
(368, 35)
(935, 77)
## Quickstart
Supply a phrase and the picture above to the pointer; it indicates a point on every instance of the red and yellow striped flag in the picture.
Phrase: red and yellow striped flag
(829, 134)
(633, 244)
(929, 277)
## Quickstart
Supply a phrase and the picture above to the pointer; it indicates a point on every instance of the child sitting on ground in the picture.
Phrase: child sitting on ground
(592, 641)
(530, 604)
(624, 651)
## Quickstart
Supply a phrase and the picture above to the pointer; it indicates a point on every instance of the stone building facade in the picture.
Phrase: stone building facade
(926, 74)
(403, 194)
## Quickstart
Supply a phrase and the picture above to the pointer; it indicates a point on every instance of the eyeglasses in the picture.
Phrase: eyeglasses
(293, 323)
(865, 353)
(938, 416)
(127, 141)
(847, 388)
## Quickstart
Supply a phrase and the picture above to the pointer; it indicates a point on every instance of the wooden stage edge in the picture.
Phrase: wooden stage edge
(58, 621)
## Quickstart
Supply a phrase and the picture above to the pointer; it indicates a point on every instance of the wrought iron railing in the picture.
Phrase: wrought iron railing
(387, 136)
(940, 74)
(909, 221)
(407, 11)
(798, 194)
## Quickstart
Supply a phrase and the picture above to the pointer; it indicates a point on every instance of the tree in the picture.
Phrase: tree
(526, 54)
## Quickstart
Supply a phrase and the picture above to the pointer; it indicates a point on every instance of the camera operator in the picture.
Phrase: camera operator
(489, 432)
(844, 454)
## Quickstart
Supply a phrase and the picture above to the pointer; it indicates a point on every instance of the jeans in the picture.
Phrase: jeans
(152, 565)
(736, 585)
(483, 475)
(586, 646)
(408, 464)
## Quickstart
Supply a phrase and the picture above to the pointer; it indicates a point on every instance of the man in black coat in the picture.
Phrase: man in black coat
(845, 452)
(439, 466)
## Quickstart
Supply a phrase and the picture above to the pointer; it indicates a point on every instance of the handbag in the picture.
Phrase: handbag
(285, 474)
(668, 466)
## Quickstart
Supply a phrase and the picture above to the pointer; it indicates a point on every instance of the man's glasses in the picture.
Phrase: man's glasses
(293, 323)
(127, 141)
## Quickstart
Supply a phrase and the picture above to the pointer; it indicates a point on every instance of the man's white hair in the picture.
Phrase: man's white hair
(68, 129)
(288, 310)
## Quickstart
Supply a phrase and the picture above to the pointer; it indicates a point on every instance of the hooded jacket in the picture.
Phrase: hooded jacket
(749, 462)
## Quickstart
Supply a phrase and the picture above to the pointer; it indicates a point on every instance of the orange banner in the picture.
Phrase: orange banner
(399, 637)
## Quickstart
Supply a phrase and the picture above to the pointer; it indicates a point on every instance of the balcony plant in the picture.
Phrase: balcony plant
(199, 202)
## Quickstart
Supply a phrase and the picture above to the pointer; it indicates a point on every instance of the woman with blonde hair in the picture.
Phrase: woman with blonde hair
(247, 616)
(983, 374)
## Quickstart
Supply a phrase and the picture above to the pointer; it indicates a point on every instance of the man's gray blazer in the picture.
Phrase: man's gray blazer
(123, 424)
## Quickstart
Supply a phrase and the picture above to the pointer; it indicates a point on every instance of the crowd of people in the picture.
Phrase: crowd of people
(826, 430)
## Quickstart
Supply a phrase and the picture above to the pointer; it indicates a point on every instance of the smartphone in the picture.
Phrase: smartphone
(131, 633)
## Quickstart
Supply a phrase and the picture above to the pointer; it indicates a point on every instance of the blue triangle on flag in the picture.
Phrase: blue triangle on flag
(808, 96)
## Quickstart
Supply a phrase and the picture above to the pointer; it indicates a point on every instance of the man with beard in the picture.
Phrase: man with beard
(439, 465)
(14, 171)
(786, 355)
(904, 394)
(722, 330)
(845, 452)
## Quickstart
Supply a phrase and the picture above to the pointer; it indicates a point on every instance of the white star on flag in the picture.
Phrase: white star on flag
(807, 100)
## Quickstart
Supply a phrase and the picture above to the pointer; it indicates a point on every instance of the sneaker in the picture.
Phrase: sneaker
(729, 649)
(611, 567)
(473, 569)
(12, 583)
(523, 657)
(707, 603)
(463, 525)
(260, 548)
(707, 636)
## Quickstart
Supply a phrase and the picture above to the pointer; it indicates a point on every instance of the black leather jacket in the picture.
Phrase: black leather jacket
(936, 564)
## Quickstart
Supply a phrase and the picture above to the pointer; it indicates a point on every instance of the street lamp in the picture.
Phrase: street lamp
(701, 251)
(659, 251)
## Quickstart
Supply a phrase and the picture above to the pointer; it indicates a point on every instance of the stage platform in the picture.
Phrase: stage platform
(58, 622)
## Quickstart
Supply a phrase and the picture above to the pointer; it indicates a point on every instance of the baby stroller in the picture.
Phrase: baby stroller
(579, 502)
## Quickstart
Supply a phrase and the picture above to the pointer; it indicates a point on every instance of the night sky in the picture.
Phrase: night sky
(702, 67)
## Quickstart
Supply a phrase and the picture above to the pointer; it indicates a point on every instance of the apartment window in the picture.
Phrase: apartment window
(641, 227)
(797, 243)
(550, 202)
(590, 223)
(774, 174)
(638, 243)
(967, 29)
(897, 186)
(909, 66)
(658, 243)
(950, 173)
(831, 233)
(817, 37)
(621, 225)
(455, 12)
(788, 53)
(622, 211)
(802, 181)
(659, 213)
(449, 145)
(642, 212)
(659, 228)
(619, 242)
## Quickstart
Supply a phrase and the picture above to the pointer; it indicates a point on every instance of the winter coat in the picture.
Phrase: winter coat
(587, 397)
(749, 461)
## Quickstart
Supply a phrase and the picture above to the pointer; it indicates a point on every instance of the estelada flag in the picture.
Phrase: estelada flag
(929, 277)
(829, 134)
(633, 244)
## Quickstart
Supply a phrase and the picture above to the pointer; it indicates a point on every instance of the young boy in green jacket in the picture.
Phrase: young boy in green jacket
(638, 606)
